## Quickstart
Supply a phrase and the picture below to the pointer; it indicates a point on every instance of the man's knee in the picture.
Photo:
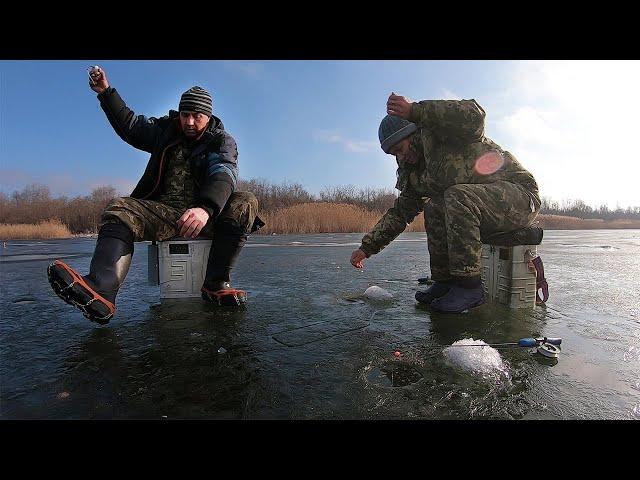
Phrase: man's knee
(122, 210)
(116, 204)
(463, 201)
(244, 198)
(115, 211)
(240, 212)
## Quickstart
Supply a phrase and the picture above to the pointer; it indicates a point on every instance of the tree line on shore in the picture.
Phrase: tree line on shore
(280, 204)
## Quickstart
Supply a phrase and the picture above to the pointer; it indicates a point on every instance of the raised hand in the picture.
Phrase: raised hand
(399, 106)
(98, 79)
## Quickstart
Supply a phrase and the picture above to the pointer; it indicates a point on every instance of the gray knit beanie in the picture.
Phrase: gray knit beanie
(196, 99)
(392, 130)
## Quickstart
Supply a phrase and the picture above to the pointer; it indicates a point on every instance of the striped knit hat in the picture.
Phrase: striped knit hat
(392, 130)
(196, 99)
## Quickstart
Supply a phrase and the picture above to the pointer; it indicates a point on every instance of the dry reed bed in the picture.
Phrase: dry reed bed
(318, 217)
(560, 222)
(43, 230)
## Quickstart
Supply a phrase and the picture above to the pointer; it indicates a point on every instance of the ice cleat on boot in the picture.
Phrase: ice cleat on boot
(436, 290)
(95, 294)
(221, 294)
(225, 249)
(77, 291)
(459, 299)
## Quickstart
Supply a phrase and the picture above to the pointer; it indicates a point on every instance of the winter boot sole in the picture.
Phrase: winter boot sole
(477, 304)
(225, 298)
(427, 296)
(72, 288)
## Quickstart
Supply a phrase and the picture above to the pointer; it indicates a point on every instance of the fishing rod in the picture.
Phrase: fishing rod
(523, 342)
(545, 346)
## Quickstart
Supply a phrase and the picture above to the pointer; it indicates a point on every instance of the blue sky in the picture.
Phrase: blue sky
(572, 124)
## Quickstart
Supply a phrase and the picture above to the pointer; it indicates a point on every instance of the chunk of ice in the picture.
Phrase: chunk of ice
(376, 293)
(484, 360)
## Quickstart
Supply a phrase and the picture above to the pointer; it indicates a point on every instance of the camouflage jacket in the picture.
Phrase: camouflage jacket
(213, 161)
(450, 139)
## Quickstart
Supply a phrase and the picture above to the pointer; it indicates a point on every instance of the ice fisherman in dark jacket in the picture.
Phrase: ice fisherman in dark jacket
(188, 189)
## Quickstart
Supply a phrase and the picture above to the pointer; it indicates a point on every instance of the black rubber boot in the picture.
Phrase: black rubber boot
(95, 294)
(436, 290)
(110, 265)
(225, 250)
(465, 293)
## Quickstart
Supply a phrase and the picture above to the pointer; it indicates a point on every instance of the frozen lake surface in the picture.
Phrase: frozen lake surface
(310, 345)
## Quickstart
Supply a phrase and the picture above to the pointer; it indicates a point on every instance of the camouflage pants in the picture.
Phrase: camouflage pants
(151, 220)
(457, 222)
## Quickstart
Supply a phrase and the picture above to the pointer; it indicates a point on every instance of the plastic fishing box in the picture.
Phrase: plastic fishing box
(179, 266)
(507, 275)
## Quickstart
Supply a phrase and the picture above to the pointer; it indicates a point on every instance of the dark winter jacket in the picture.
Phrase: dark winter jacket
(214, 160)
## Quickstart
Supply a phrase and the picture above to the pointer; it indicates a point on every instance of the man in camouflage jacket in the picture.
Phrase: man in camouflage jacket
(187, 190)
(467, 185)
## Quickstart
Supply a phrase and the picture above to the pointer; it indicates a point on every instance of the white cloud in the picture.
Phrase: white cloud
(61, 184)
(351, 145)
(449, 95)
(329, 136)
(531, 125)
(10, 177)
(574, 125)
(250, 69)
(360, 146)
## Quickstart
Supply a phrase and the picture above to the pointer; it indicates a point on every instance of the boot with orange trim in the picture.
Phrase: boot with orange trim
(95, 294)
(225, 249)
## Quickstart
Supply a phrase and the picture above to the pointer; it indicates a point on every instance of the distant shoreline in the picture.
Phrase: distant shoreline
(315, 219)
